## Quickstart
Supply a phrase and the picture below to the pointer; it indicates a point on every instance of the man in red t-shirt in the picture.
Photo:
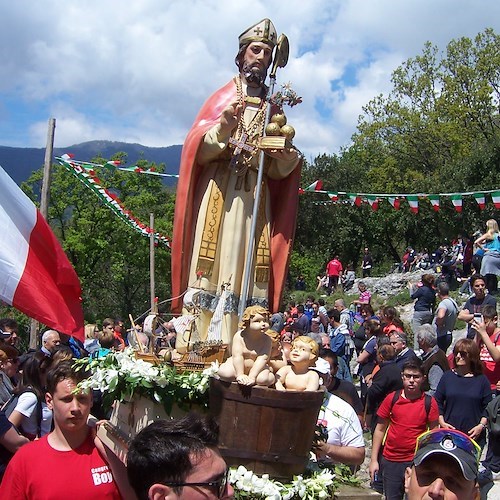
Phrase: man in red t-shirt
(65, 463)
(407, 414)
(334, 271)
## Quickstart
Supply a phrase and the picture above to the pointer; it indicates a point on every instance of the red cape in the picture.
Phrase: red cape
(284, 203)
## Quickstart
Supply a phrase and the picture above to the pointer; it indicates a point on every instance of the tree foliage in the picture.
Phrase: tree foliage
(437, 131)
(110, 258)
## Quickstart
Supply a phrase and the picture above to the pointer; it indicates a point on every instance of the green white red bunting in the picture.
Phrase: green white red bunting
(374, 199)
(495, 197)
(456, 199)
(85, 173)
(434, 199)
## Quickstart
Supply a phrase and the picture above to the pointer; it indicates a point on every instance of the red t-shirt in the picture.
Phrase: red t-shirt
(39, 472)
(491, 367)
(408, 419)
(334, 268)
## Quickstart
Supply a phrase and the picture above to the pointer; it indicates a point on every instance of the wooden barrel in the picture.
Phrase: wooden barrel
(267, 431)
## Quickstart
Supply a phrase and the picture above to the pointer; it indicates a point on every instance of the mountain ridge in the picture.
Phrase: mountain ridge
(19, 163)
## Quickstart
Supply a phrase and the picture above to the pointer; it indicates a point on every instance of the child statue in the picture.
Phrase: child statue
(251, 349)
(299, 376)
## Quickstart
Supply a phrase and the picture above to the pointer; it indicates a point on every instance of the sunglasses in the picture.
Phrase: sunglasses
(463, 354)
(219, 485)
(459, 439)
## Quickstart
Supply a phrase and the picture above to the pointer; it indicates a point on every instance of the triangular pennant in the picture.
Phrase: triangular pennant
(456, 199)
(373, 201)
(495, 197)
(315, 186)
(413, 202)
(333, 196)
(395, 202)
(355, 199)
(481, 200)
(434, 199)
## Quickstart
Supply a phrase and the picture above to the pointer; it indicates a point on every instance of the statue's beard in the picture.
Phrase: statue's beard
(254, 76)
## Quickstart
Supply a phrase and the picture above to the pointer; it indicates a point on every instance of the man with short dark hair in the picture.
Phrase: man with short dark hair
(475, 304)
(9, 331)
(334, 271)
(65, 463)
(404, 415)
(302, 322)
(445, 466)
(178, 459)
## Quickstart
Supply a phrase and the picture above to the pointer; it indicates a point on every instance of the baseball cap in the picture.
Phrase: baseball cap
(464, 450)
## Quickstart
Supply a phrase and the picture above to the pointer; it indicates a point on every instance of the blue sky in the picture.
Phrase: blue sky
(138, 71)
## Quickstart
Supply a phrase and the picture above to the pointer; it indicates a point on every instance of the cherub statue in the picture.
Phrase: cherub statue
(251, 349)
(299, 376)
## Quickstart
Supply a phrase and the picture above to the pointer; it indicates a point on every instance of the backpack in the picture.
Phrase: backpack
(427, 402)
(10, 405)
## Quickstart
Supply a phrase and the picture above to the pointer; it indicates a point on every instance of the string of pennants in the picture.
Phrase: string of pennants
(85, 173)
(395, 199)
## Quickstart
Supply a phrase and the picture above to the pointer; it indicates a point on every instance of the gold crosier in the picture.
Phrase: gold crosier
(243, 136)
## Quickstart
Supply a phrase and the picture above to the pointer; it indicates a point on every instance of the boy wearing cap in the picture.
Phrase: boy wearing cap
(404, 415)
(445, 467)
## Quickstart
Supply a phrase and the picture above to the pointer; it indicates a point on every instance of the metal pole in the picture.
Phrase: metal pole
(44, 210)
(152, 259)
(251, 239)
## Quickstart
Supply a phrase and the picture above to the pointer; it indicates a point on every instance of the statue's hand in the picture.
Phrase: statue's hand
(287, 154)
(229, 118)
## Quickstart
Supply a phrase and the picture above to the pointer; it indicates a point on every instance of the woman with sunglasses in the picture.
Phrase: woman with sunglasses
(9, 368)
(464, 392)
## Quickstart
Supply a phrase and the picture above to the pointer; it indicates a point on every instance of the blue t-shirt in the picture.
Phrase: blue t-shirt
(5, 455)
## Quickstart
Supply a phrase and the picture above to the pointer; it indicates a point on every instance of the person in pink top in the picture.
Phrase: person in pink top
(488, 337)
(334, 271)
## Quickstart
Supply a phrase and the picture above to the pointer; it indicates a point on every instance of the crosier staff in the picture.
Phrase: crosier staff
(280, 61)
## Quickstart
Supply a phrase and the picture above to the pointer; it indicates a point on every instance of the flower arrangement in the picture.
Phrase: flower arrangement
(315, 484)
(120, 376)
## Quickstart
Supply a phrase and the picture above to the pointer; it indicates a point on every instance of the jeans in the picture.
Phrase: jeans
(394, 479)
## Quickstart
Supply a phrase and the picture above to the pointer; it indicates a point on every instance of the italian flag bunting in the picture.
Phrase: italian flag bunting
(373, 201)
(495, 197)
(413, 202)
(456, 199)
(315, 186)
(481, 200)
(434, 199)
(355, 199)
(395, 202)
(333, 196)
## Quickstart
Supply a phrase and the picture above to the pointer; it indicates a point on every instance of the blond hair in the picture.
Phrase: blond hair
(311, 343)
(492, 226)
(90, 331)
(249, 313)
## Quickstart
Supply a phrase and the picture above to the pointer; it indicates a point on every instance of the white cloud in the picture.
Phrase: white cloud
(139, 71)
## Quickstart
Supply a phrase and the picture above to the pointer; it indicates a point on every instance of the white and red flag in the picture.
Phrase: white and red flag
(315, 186)
(36, 277)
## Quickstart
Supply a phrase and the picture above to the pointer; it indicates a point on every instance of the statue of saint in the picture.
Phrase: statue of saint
(216, 195)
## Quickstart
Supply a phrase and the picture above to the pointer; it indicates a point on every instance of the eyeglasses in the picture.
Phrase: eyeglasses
(219, 485)
(409, 376)
(463, 354)
(459, 439)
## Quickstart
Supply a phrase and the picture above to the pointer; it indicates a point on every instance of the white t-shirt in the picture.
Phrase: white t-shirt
(343, 424)
(26, 405)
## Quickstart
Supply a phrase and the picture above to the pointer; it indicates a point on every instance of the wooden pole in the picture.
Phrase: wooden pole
(44, 210)
(152, 262)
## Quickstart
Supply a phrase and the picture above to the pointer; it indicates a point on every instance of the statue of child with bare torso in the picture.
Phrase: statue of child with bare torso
(250, 352)
(299, 376)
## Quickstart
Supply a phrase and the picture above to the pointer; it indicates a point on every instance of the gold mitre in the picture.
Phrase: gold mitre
(263, 31)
